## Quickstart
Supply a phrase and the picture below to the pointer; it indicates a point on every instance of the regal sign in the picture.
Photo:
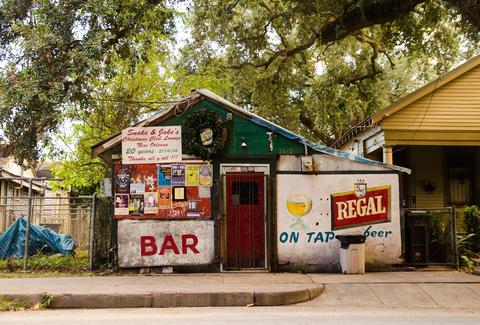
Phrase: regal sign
(362, 206)
(151, 145)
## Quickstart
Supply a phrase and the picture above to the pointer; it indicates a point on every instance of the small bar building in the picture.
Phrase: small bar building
(208, 186)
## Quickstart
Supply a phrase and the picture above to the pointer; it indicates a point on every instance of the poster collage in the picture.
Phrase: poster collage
(163, 191)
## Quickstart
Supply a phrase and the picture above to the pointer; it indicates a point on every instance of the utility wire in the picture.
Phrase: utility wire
(425, 113)
(133, 101)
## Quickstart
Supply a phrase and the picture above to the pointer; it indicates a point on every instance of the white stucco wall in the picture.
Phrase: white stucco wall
(325, 163)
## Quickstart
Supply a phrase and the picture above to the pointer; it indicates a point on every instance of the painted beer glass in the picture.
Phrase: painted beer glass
(299, 205)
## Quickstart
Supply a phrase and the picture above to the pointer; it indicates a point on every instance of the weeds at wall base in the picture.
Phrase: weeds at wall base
(12, 305)
(46, 300)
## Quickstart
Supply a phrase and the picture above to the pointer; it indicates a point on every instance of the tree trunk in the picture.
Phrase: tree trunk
(365, 14)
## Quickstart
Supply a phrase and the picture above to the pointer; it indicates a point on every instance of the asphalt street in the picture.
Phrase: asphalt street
(246, 315)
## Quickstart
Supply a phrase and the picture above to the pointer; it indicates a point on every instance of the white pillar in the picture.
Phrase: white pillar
(387, 155)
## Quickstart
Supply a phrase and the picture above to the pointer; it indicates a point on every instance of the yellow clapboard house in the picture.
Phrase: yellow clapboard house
(435, 131)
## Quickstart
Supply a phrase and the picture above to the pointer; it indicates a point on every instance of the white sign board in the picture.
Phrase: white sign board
(145, 243)
(313, 209)
(151, 145)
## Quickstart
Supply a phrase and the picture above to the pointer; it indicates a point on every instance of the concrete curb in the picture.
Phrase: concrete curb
(287, 297)
(176, 299)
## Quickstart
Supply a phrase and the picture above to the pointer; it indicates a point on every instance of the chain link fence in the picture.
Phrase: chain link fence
(430, 237)
(31, 215)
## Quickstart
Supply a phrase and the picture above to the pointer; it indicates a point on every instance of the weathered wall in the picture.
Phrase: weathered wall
(165, 243)
(314, 247)
(323, 162)
(365, 142)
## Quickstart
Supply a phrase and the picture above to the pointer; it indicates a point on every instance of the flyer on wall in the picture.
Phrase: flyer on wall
(193, 208)
(164, 175)
(151, 203)
(137, 204)
(164, 197)
(192, 176)
(205, 175)
(137, 181)
(121, 204)
(178, 175)
(122, 179)
(150, 178)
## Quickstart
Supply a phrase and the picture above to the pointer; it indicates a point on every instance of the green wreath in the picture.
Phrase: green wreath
(204, 134)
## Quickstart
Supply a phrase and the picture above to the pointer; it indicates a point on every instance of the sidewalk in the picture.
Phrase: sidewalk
(411, 290)
(166, 290)
(260, 289)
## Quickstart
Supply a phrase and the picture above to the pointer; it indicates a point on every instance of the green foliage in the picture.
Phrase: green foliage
(52, 50)
(279, 63)
(67, 263)
(468, 258)
(12, 305)
(301, 269)
(16, 304)
(128, 96)
(46, 300)
(468, 244)
(440, 237)
(471, 220)
(78, 72)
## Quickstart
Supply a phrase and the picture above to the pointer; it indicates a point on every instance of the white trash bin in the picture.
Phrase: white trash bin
(352, 254)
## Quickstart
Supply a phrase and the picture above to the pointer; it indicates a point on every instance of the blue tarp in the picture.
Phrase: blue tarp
(12, 241)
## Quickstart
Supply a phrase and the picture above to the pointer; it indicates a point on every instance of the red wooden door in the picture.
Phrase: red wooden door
(245, 221)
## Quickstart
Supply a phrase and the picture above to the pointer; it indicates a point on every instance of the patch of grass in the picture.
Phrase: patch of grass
(46, 263)
(12, 305)
(19, 305)
(46, 274)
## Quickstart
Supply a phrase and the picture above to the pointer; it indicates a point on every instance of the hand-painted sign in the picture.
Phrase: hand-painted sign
(151, 145)
(152, 243)
(313, 209)
(362, 206)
